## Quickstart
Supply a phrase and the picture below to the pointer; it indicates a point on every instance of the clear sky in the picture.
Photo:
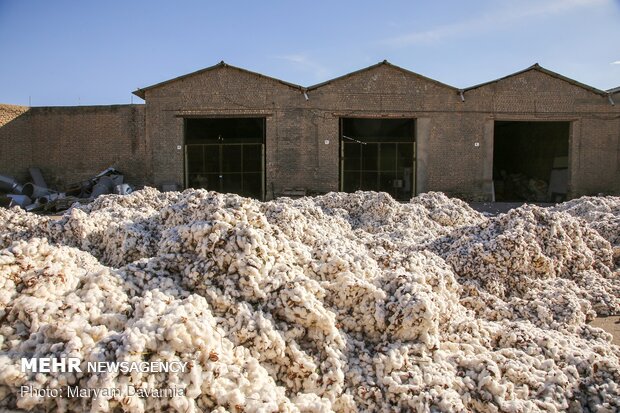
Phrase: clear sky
(61, 52)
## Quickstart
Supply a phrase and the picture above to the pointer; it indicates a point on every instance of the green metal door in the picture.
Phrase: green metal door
(228, 162)
(376, 161)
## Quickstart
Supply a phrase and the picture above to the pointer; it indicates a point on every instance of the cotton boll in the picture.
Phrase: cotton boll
(344, 302)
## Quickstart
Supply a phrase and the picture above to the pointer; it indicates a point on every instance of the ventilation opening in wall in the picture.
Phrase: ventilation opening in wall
(530, 161)
(226, 155)
(378, 155)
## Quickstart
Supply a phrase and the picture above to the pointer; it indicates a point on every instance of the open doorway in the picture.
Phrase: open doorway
(378, 155)
(226, 155)
(530, 161)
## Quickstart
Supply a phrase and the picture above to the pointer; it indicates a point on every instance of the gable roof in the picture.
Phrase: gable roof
(383, 63)
(541, 69)
(140, 92)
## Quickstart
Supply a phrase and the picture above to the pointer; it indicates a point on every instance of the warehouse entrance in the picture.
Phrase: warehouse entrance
(530, 161)
(378, 155)
(226, 155)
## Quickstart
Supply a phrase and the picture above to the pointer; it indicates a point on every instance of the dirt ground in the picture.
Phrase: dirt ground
(611, 325)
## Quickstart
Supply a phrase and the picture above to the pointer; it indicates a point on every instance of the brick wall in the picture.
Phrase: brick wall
(594, 142)
(454, 138)
(15, 144)
(71, 144)
(227, 92)
(388, 91)
(297, 129)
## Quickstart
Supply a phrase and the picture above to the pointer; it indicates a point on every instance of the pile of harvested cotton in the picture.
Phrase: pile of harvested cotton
(601, 214)
(344, 302)
(531, 251)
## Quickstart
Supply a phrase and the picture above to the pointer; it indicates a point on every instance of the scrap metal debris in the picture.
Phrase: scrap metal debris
(37, 196)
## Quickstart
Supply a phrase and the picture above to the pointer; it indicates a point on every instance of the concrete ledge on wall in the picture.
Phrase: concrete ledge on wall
(170, 187)
(423, 132)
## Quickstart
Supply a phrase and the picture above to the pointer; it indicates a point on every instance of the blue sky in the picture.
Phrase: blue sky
(97, 52)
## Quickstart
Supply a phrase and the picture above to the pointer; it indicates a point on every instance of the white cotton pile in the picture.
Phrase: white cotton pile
(116, 229)
(17, 224)
(601, 214)
(546, 261)
(344, 302)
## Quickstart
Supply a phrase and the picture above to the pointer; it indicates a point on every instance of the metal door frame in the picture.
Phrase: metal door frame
(341, 150)
(263, 149)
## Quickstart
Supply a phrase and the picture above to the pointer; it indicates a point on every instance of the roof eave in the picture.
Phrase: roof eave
(386, 63)
(541, 69)
(319, 85)
(141, 92)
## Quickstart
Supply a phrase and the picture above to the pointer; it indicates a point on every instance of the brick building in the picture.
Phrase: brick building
(532, 134)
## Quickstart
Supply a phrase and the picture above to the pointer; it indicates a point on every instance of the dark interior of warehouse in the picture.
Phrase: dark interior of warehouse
(378, 155)
(225, 155)
(530, 161)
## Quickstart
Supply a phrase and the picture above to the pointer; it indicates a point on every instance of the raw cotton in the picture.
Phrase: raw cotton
(601, 214)
(344, 302)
